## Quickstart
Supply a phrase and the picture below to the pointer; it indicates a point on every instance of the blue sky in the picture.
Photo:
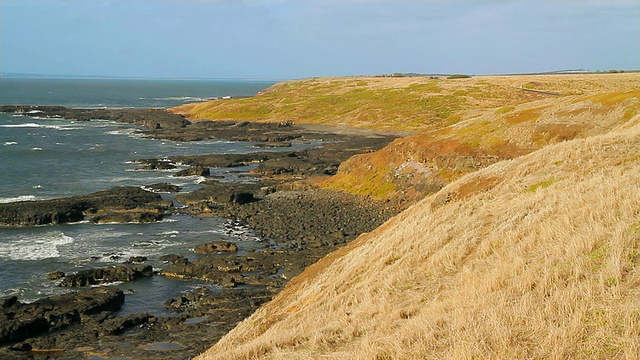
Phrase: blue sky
(285, 39)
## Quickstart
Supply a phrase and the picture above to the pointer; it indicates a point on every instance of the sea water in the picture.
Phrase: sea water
(51, 158)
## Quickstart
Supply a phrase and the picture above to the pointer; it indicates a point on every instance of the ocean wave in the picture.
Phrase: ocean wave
(8, 143)
(170, 233)
(42, 126)
(18, 198)
(132, 133)
(36, 149)
(35, 247)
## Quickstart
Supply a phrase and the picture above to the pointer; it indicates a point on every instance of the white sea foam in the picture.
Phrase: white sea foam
(35, 247)
(170, 233)
(11, 143)
(42, 126)
(27, 125)
(36, 149)
(132, 133)
(18, 198)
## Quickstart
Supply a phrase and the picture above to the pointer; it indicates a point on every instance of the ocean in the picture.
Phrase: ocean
(52, 158)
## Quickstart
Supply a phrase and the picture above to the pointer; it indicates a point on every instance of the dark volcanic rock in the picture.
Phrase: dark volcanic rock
(313, 218)
(216, 246)
(174, 259)
(136, 259)
(73, 209)
(151, 118)
(164, 188)
(56, 275)
(118, 325)
(21, 321)
(194, 170)
(218, 193)
(156, 164)
(224, 160)
(202, 317)
(107, 275)
(127, 217)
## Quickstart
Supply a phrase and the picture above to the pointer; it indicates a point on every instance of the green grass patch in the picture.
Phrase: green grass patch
(458, 76)
(541, 185)
(504, 110)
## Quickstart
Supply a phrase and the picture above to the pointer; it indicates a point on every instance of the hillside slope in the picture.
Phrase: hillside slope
(536, 257)
(412, 167)
(459, 125)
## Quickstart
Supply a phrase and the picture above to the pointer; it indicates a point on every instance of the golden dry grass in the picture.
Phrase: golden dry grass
(460, 125)
(535, 257)
(412, 103)
(412, 167)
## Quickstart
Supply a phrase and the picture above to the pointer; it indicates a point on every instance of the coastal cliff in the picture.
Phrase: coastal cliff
(519, 238)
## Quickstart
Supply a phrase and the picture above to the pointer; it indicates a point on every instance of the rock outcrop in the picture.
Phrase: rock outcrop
(215, 247)
(19, 321)
(126, 200)
(107, 275)
(151, 118)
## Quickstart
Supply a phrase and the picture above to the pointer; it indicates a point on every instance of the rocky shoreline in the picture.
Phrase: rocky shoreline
(297, 223)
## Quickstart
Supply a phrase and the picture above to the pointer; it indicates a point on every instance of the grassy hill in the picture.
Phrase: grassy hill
(413, 167)
(536, 257)
(458, 125)
(411, 103)
(523, 240)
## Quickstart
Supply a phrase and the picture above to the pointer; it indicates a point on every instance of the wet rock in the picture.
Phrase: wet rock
(119, 324)
(56, 275)
(164, 188)
(194, 171)
(127, 217)
(151, 118)
(21, 321)
(222, 194)
(21, 347)
(274, 144)
(136, 260)
(107, 275)
(174, 259)
(156, 164)
(8, 302)
(73, 209)
(216, 246)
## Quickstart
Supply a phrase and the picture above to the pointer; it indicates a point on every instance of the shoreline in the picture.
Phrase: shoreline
(310, 224)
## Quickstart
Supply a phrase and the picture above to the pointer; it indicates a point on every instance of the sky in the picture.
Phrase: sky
(289, 39)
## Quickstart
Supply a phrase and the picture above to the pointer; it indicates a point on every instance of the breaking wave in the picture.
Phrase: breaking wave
(28, 247)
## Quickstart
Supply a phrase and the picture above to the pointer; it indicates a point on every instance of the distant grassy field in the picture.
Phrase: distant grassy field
(412, 103)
